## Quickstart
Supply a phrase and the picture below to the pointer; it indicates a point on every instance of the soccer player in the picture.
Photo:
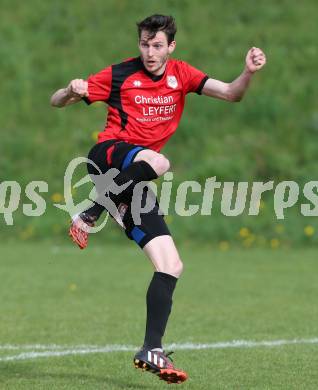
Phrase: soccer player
(145, 97)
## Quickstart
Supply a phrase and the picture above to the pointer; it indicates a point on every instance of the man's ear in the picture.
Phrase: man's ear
(171, 47)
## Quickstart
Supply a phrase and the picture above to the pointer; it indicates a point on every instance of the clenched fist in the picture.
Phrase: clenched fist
(77, 87)
(255, 59)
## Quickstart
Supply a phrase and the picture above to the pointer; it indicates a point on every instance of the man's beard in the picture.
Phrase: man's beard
(160, 64)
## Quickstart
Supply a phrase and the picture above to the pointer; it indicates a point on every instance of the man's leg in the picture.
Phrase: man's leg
(168, 266)
(145, 165)
(136, 164)
(153, 236)
(164, 256)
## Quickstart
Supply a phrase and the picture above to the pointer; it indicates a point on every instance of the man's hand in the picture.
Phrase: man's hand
(77, 88)
(255, 59)
(73, 93)
(234, 91)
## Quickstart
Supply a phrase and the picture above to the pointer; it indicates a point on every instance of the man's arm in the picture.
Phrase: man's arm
(234, 91)
(73, 93)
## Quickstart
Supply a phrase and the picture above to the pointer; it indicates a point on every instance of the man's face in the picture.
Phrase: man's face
(155, 52)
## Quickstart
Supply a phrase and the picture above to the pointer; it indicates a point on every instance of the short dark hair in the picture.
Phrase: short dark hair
(154, 23)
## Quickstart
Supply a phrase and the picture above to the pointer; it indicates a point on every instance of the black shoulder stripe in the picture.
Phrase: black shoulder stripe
(120, 72)
(201, 85)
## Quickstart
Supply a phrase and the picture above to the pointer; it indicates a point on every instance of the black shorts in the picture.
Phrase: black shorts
(119, 155)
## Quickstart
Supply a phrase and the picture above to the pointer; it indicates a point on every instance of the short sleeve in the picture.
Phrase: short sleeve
(194, 79)
(99, 86)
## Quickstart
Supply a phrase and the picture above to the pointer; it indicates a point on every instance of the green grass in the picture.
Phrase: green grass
(60, 295)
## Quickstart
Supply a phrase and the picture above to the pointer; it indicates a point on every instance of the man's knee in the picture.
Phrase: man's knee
(159, 163)
(164, 255)
(178, 267)
(173, 267)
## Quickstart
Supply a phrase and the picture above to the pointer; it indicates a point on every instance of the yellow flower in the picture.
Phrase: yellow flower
(72, 287)
(274, 243)
(309, 231)
(279, 229)
(27, 233)
(224, 246)
(247, 243)
(57, 197)
(95, 135)
(244, 232)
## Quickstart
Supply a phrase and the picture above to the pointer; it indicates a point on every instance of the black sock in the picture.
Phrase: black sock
(159, 303)
(137, 172)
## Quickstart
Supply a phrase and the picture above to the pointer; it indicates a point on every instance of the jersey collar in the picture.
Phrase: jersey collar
(149, 74)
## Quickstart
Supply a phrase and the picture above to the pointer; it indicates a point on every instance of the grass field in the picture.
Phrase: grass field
(55, 299)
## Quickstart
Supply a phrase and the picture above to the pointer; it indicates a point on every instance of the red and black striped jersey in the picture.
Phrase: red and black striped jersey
(143, 109)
